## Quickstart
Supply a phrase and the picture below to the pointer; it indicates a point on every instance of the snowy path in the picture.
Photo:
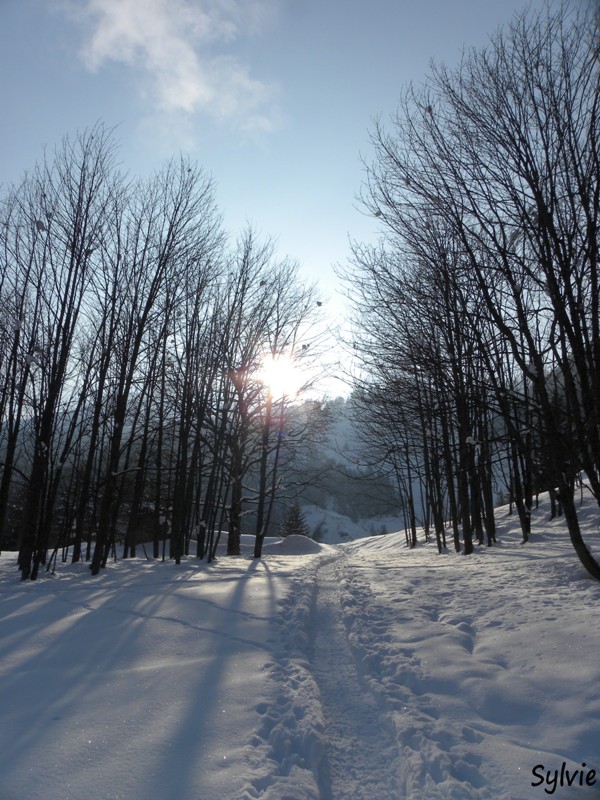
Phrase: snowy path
(360, 752)
(364, 671)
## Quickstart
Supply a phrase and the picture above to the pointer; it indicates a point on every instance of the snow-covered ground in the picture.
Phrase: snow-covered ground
(318, 673)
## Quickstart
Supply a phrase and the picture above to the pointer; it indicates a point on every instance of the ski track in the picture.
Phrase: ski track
(360, 752)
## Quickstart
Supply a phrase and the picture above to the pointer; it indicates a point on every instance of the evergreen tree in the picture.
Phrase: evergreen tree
(294, 522)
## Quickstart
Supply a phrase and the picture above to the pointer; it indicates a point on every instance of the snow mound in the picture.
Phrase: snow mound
(247, 542)
(293, 545)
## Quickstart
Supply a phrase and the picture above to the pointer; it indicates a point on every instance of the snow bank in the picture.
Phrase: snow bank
(294, 545)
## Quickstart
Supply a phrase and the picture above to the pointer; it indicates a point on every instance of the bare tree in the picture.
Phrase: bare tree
(503, 153)
(268, 315)
(62, 213)
(169, 225)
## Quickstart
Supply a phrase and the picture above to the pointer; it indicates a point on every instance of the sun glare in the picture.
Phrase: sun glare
(281, 376)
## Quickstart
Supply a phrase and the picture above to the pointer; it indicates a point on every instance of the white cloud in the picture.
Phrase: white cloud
(182, 50)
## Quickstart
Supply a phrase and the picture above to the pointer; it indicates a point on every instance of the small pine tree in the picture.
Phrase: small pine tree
(294, 522)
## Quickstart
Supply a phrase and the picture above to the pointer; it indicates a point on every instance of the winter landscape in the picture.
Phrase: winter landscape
(321, 672)
(313, 513)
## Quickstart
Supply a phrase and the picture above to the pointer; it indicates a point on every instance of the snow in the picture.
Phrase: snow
(335, 528)
(332, 526)
(346, 672)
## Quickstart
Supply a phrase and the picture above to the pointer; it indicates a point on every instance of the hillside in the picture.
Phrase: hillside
(340, 486)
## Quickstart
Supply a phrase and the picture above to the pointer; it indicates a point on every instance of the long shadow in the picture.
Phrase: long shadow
(61, 653)
(187, 782)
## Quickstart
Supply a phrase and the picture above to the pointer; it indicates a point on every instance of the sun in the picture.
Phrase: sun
(281, 376)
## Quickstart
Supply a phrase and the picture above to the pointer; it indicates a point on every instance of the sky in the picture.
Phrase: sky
(273, 98)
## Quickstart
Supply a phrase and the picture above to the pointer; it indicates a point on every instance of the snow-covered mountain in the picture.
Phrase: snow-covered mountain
(332, 527)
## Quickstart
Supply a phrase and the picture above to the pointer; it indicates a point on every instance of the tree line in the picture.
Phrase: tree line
(477, 313)
(132, 334)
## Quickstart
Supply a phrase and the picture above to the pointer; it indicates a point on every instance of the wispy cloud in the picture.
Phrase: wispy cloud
(184, 51)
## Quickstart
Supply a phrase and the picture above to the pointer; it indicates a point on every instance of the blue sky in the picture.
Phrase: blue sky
(274, 98)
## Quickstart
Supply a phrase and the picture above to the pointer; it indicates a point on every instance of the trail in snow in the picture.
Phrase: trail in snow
(234, 680)
(360, 755)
